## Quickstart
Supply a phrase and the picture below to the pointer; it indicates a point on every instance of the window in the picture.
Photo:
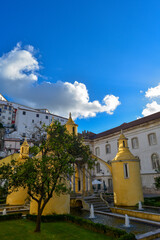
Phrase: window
(37, 115)
(10, 107)
(40, 122)
(32, 120)
(9, 112)
(9, 118)
(123, 143)
(134, 142)
(98, 167)
(24, 113)
(97, 151)
(3, 117)
(33, 135)
(0, 109)
(23, 135)
(5, 107)
(46, 117)
(73, 129)
(155, 161)
(152, 139)
(126, 170)
(25, 126)
(108, 148)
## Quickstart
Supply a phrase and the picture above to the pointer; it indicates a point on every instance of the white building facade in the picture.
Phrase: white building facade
(21, 121)
(143, 141)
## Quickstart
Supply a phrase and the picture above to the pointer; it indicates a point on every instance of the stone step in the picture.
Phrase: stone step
(99, 205)
(93, 200)
(102, 209)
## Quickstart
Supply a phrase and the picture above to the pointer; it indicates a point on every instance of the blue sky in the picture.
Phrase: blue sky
(111, 47)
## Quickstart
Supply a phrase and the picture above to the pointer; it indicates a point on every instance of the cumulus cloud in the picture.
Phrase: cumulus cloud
(154, 106)
(153, 92)
(18, 66)
(19, 79)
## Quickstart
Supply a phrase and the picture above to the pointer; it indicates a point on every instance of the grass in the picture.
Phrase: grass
(24, 230)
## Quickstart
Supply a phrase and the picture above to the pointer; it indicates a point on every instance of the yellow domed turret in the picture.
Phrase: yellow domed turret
(123, 149)
(127, 184)
(24, 150)
(19, 197)
(71, 126)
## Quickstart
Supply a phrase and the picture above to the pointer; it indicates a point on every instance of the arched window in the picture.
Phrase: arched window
(152, 139)
(135, 144)
(108, 148)
(123, 143)
(98, 166)
(97, 151)
(155, 161)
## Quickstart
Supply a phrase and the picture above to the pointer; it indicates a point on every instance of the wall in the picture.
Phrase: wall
(144, 151)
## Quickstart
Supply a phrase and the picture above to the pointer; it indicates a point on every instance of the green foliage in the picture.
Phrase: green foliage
(87, 224)
(3, 188)
(1, 125)
(51, 164)
(129, 236)
(10, 216)
(154, 201)
(157, 182)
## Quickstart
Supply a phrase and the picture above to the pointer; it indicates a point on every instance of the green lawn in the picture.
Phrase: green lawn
(24, 230)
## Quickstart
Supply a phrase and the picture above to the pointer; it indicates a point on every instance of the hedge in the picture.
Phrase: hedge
(10, 216)
(87, 224)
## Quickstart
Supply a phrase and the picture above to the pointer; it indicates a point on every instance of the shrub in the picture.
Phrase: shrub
(87, 224)
(129, 236)
(10, 216)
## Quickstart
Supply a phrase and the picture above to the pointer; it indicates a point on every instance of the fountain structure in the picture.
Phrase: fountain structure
(127, 223)
(91, 212)
(140, 206)
(4, 212)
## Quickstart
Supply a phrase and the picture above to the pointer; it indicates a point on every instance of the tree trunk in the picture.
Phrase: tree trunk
(38, 221)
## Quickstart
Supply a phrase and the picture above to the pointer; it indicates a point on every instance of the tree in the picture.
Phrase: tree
(48, 167)
(157, 179)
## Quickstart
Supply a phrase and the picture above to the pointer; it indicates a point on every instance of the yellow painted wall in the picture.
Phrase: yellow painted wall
(57, 204)
(70, 128)
(17, 198)
(138, 214)
(127, 191)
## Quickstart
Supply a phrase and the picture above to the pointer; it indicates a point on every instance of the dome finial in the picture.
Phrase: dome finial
(70, 115)
(121, 131)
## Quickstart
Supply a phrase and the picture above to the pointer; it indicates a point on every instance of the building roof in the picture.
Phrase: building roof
(125, 126)
(2, 98)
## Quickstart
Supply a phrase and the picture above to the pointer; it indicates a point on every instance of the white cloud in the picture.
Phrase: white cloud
(19, 80)
(151, 108)
(111, 103)
(18, 65)
(154, 105)
(153, 92)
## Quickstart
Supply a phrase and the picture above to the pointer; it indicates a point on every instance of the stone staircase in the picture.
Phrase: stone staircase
(13, 209)
(98, 203)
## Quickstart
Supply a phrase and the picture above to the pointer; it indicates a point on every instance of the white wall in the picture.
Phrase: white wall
(144, 150)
